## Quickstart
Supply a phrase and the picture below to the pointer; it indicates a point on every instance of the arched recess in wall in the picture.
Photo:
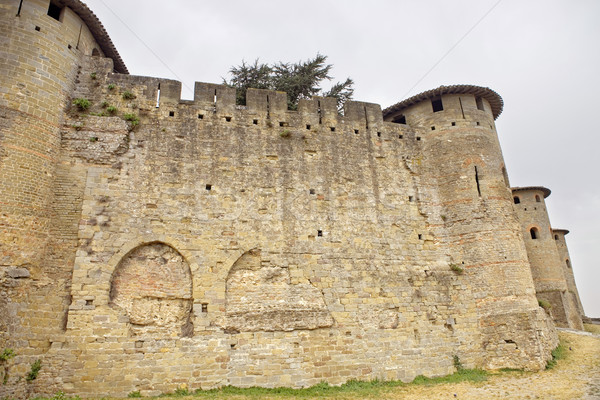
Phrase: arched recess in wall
(152, 285)
(95, 52)
(260, 296)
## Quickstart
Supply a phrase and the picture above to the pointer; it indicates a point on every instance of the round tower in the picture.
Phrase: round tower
(43, 44)
(544, 257)
(471, 215)
(565, 258)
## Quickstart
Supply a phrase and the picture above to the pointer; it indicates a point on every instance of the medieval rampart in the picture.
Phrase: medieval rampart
(206, 243)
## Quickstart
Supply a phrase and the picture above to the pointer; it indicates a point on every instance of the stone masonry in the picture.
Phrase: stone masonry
(149, 242)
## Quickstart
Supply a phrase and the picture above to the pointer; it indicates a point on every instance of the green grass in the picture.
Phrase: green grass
(559, 353)
(354, 387)
(82, 104)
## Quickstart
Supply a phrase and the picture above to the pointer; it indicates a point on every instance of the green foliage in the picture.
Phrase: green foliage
(111, 109)
(93, 139)
(111, 86)
(457, 268)
(57, 396)
(7, 354)
(559, 353)
(127, 95)
(301, 80)
(83, 104)
(134, 394)
(93, 75)
(545, 304)
(353, 387)
(285, 133)
(34, 371)
(105, 104)
(132, 118)
(181, 392)
(472, 375)
(457, 364)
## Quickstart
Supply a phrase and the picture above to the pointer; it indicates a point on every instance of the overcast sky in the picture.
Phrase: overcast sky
(541, 56)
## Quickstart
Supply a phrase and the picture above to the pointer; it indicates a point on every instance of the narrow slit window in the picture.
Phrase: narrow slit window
(320, 233)
(378, 134)
(477, 181)
(537, 198)
(255, 121)
(555, 237)
(517, 200)
(437, 105)
(308, 127)
(158, 97)
(479, 102)
(535, 234)
(208, 187)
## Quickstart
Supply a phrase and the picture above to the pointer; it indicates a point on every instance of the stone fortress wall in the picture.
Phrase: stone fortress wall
(213, 244)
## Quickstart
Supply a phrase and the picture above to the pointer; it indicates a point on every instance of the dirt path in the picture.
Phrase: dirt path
(575, 377)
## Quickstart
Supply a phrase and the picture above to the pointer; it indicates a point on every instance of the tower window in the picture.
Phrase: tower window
(535, 234)
(479, 102)
(537, 198)
(516, 199)
(555, 237)
(54, 11)
(437, 105)
(400, 119)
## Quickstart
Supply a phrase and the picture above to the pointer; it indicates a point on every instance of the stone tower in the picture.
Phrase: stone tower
(548, 255)
(563, 252)
(471, 207)
(42, 45)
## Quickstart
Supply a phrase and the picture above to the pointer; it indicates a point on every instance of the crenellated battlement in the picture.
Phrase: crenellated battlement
(248, 245)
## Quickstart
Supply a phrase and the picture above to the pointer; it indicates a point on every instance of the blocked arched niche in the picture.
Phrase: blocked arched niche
(152, 285)
(261, 297)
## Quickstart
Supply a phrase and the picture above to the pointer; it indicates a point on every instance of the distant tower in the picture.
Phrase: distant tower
(565, 258)
(547, 262)
(470, 207)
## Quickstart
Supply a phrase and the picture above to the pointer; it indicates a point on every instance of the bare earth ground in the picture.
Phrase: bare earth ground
(577, 376)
